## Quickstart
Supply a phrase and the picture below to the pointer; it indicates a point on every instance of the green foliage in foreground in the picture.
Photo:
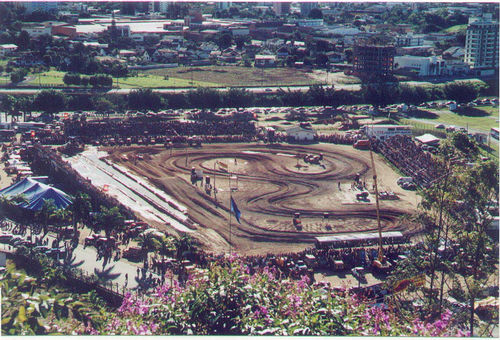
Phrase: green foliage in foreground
(228, 300)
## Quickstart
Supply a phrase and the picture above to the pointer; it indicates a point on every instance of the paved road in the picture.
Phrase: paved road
(114, 272)
(256, 90)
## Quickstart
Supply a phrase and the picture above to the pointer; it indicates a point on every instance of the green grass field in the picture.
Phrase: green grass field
(51, 77)
(455, 29)
(239, 76)
(486, 119)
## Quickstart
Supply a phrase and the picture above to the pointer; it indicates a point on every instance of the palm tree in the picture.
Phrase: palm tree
(149, 242)
(109, 220)
(81, 209)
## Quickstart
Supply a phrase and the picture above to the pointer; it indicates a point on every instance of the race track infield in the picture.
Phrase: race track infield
(270, 183)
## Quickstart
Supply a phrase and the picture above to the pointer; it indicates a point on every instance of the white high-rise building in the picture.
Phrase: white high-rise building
(222, 5)
(481, 43)
(306, 7)
(163, 6)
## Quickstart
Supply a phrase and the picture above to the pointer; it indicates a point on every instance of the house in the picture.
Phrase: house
(301, 133)
(127, 54)
(7, 49)
(265, 60)
(164, 55)
(422, 66)
(230, 56)
(428, 139)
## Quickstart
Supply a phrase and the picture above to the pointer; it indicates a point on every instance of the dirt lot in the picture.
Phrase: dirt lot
(270, 185)
(240, 76)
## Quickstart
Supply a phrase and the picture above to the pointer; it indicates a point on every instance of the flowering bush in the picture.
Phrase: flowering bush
(228, 300)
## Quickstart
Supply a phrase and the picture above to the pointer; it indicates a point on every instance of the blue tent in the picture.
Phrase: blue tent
(36, 193)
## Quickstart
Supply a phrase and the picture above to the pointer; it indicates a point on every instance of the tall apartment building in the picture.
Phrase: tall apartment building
(45, 6)
(306, 7)
(281, 8)
(373, 60)
(222, 5)
(481, 43)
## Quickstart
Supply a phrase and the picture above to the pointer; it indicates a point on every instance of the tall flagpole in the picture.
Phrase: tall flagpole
(230, 213)
(215, 190)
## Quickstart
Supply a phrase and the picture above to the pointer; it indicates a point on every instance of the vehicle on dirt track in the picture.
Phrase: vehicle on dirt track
(362, 196)
(388, 195)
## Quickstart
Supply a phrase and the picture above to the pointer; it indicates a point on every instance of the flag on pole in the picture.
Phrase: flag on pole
(235, 210)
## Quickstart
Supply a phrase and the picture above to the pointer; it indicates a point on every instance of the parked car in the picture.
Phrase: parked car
(5, 238)
(439, 126)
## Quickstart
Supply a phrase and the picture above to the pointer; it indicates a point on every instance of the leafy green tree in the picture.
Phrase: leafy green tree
(108, 220)
(50, 101)
(72, 79)
(18, 76)
(81, 208)
(23, 40)
(465, 145)
(235, 97)
(203, 97)
(144, 99)
(316, 13)
(461, 92)
(224, 41)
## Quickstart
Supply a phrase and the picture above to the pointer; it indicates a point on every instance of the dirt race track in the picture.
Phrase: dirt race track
(270, 184)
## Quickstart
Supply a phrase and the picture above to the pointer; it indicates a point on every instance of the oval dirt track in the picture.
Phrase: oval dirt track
(271, 188)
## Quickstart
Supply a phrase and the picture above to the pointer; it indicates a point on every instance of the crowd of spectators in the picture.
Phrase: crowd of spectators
(410, 158)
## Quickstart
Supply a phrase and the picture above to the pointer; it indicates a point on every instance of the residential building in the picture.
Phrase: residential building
(38, 30)
(281, 8)
(306, 7)
(422, 66)
(7, 49)
(309, 22)
(373, 60)
(301, 133)
(410, 40)
(481, 43)
(265, 60)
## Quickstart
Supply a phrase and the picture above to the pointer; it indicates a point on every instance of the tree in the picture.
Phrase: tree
(237, 98)
(108, 220)
(103, 105)
(321, 59)
(50, 101)
(23, 40)
(461, 92)
(380, 94)
(204, 97)
(45, 214)
(144, 99)
(81, 208)
(71, 79)
(18, 76)
(7, 103)
(150, 242)
(316, 13)
(224, 41)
